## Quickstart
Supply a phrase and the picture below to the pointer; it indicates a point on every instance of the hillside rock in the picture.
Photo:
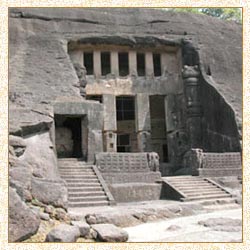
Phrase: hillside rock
(50, 192)
(23, 222)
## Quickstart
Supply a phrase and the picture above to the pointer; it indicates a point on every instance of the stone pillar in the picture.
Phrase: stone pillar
(170, 113)
(94, 122)
(190, 75)
(110, 124)
(143, 123)
(114, 63)
(97, 63)
(84, 127)
(132, 63)
(149, 64)
(76, 56)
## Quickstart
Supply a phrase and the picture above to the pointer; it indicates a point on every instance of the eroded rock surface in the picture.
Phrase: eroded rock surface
(83, 227)
(50, 192)
(23, 222)
(223, 224)
(63, 233)
(110, 233)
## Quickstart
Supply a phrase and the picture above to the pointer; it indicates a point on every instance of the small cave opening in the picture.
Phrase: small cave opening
(68, 136)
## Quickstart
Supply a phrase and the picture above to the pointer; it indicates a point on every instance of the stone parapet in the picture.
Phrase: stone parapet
(149, 177)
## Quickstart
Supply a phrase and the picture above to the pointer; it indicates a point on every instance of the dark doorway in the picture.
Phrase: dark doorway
(68, 136)
(125, 114)
(158, 127)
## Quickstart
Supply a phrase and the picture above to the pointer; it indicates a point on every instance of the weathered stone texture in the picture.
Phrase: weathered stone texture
(63, 233)
(39, 42)
(23, 222)
(110, 233)
(83, 227)
(40, 157)
(50, 192)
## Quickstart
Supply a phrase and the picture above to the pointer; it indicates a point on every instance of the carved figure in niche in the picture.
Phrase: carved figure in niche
(145, 137)
(81, 74)
(197, 157)
(153, 161)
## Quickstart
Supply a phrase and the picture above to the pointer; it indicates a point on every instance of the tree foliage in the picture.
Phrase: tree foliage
(234, 14)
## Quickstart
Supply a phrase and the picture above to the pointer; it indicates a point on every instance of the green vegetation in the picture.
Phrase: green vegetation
(233, 14)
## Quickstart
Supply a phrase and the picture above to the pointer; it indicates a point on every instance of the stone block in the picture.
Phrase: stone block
(110, 141)
(63, 233)
(130, 192)
(83, 227)
(110, 233)
(109, 103)
(95, 144)
(143, 122)
(148, 177)
(122, 162)
(119, 219)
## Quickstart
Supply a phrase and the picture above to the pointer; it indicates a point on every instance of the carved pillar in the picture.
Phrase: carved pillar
(114, 63)
(143, 125)
(190, 75)
(97, 64)
(149, 64)
(132, 63)
(110, 124)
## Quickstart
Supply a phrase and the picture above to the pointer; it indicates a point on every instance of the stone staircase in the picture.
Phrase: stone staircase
(193, 188)
(85, 184)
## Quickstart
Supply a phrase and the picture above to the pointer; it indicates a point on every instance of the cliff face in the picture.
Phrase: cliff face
(40, 68)
(40, 72)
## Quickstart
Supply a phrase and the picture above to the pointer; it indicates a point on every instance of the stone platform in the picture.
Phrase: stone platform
(130, 176)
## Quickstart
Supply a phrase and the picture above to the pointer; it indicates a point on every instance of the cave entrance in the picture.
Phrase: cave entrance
(69, 143)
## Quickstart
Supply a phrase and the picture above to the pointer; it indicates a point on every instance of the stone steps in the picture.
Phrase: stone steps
(205, 197)
(194, 188)
(88, 198)
(194, 192)
(84, 187)
(88, 204)
(85, 194)
(82, 181)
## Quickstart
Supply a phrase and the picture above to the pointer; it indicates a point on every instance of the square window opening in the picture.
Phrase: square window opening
(125, 108)
(157, 64)
(105, 63)
(123, 63)
(140, 64)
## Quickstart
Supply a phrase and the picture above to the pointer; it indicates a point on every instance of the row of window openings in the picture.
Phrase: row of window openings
(123, 62)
